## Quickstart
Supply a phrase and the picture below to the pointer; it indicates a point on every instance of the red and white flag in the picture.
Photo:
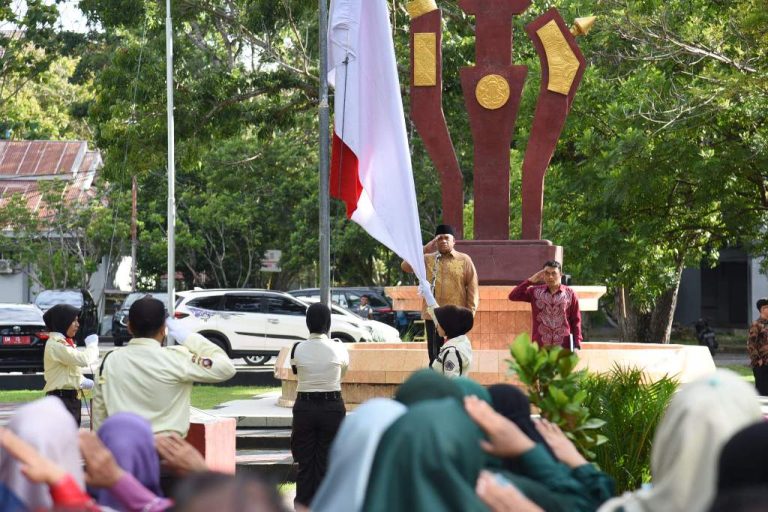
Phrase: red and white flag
(371, 164)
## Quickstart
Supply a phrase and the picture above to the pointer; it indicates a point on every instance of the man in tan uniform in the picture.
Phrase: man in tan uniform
(453, 279)
(153, 381)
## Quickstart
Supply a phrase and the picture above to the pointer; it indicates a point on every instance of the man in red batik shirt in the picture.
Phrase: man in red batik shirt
(555, 314)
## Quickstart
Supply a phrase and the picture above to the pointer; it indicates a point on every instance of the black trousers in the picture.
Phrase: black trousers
(71, 400)
(434, 340)
(315, 423)
(761, 379)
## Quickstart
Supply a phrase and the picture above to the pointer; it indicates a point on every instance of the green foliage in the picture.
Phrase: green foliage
(632, 406)
(557, 391)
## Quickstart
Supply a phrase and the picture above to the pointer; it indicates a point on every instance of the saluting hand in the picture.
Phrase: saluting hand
(101, 468)
(35, 467)
(505, 439)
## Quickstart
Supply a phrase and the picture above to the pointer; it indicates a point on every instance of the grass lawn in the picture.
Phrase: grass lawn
(203, 397)
(744, 371)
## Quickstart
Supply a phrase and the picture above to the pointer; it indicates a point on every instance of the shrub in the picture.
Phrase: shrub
(556, 390)
(632, 406)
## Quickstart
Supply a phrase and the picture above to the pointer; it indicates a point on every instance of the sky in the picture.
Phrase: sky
(72, 18)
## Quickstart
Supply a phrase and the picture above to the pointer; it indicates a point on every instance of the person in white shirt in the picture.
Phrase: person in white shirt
(153, 381)
(319, 364)
(455, 356)
(62, 361)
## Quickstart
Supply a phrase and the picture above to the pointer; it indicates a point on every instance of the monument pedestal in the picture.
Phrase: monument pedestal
(498, 320)
(508, 261)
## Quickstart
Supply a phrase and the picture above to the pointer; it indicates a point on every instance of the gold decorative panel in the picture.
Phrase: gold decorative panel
(492, 91)
(418, 8)
(561, 60)
(424, 59)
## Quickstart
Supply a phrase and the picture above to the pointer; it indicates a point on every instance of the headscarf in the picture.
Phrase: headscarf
(352, 453)
(701, 417)
(426, 385)
(318, 318)
(743, 459)
(513, 404)
(130, 439)
(50, 429)
(470, 387)
(60, 317)
(455, 320)
(429, 459)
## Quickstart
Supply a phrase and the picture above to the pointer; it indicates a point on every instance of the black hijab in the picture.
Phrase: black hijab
(743, 459)
(318, 318)
(454, 320)
(60, 317)
(514, 405)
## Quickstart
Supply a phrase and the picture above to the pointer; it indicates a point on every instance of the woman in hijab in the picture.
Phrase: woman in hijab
(47, 426)
(455, 356)
(352, 453)
(130, 439)
(429, 459)
(701, 417)
(319, 364)
(62, 360)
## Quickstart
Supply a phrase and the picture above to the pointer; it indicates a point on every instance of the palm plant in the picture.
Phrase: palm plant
(632, 405)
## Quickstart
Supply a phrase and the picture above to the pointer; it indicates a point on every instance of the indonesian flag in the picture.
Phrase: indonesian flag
(371, 164)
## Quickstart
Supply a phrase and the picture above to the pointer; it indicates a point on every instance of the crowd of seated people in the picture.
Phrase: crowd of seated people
(439, 445)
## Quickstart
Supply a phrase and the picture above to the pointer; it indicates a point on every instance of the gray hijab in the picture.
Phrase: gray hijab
(46, 425)
(352, 453)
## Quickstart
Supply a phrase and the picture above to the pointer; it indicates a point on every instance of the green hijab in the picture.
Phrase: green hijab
(429, 459)
(429, 385)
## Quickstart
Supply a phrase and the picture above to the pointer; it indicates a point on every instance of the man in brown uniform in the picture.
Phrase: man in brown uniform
(453, 279)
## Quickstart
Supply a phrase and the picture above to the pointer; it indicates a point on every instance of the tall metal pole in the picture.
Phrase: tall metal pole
(325, 206)
(171, 162)
(134, 241)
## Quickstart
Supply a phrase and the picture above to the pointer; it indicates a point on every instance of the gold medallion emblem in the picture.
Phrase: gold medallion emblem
(492, 91)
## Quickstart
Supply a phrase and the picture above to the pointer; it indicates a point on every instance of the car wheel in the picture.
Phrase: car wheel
(345, 338)
(218, 341)
(256, 360)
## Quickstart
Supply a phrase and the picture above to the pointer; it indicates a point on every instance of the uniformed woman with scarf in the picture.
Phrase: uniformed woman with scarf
(319, 364)
(62, 360)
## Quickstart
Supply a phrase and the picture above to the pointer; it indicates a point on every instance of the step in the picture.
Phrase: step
(264, 439)
(273, 465)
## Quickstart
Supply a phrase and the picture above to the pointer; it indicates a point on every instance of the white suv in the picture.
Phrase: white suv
(255, 324)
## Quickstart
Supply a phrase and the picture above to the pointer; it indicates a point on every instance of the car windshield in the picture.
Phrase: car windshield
(21, 314)
(133, 297)
(49, 298)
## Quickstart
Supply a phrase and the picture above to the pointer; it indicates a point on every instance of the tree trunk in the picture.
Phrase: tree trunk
(633, 323)
(664, 309)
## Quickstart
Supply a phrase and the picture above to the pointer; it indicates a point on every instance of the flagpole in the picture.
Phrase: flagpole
(171, 161)
(325, 206)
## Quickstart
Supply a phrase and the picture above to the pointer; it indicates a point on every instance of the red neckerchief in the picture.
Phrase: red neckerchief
(70, 342)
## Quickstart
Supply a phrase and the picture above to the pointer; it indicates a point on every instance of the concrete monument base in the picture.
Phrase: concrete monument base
(377, 369)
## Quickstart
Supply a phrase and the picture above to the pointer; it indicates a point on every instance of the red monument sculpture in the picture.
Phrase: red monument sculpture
(492, 90)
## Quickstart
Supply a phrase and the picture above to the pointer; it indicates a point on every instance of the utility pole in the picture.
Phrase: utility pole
(171, 162)
(325, 201)
(133, 232)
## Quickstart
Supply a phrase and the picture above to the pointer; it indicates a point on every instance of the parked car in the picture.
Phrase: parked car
(82, 300)
(120, 332)
(255, 324)
(22, 338)
(380, 331)
(350, 298)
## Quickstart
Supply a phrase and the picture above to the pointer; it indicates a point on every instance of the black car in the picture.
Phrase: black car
(82, 300)
(350, 299)
(22, 338)
(120, 332)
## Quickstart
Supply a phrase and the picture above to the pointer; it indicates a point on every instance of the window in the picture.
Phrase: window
(283, 306)
(339, 299)
(243, 303)
(212, 303)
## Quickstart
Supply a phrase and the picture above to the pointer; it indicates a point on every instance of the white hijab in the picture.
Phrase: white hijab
(700, 419)
(50, 428)
(352, 453)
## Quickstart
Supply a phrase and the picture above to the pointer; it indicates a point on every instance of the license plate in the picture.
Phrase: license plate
(17, 340)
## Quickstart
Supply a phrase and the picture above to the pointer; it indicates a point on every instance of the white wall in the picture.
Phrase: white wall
(14, 288)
